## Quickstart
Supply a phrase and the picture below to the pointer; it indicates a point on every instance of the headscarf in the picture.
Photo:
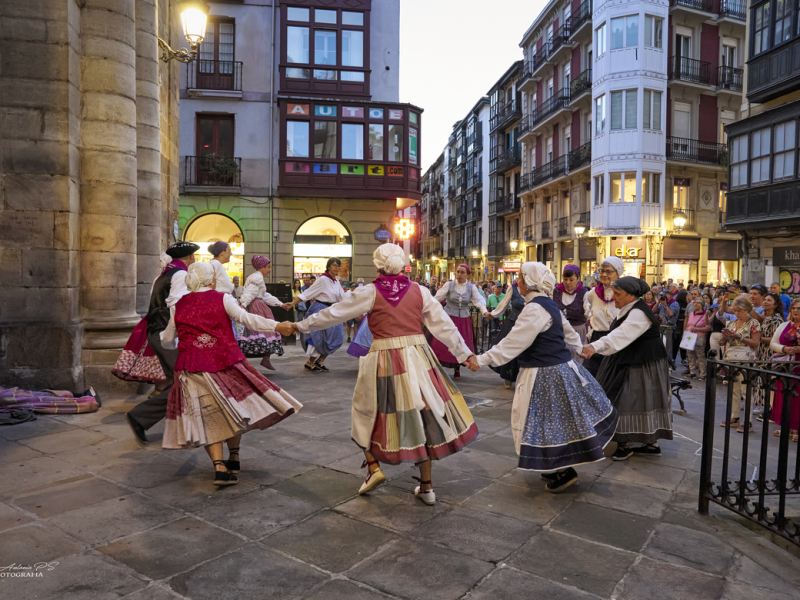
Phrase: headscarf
(200, 275)
(259, 262)
(538, 277)
(574, 268)
(619, 267)
(389, 258)
(466, 267)
(632, 285)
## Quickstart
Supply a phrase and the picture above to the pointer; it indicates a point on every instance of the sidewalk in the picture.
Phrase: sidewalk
(124, 521)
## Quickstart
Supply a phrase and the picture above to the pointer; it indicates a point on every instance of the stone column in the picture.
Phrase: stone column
(108, 182)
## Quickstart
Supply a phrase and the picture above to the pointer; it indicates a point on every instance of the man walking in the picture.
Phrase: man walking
(168, 288)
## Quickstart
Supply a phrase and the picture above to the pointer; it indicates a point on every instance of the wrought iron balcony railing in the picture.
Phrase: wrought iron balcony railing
(730, 78)
(552, 105)
(550, 170)
(560, 37)
(527, 233)
(508, 158)
(580, 17)
(526, 182)
(701, 5)
(213, 171)
(708, 153)
(545, 230)
(215, 75)
(507, 205)
(580, 156)
(735, 9)
(580, 84)
(586, 217)
(506, 115)
(689, 69)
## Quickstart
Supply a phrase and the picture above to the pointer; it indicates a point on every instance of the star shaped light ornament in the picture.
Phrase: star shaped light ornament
(404, 228)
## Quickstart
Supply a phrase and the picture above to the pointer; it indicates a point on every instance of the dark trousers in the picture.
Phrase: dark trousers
(152, 410)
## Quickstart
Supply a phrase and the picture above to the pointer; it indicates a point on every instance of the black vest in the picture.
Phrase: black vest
(549, 348)
(648, 347)
(158, 313)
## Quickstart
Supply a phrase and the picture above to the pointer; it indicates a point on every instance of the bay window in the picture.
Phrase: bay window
(784, 150)
(352, 141)
(625, 32)
(623, 187)
(759, 155)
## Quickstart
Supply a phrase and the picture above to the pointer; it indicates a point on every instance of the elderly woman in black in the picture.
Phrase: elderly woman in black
(635, 372)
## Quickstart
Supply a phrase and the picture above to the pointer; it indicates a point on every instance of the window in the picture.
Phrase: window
(352, 18)
(600, 40)
(599, 190)
(653, 32)
(352, 141)
(783, 20)
(215, 135)
(352, 48)
(325, 139)
(761, 25)
(625, 32)
(759, 154)
(396, 143)
(600, 114)
(375, 141)
(297, 139)
(623, 109)
(217, 46)
(651, 107)
(784, 150)
(680, 196)
(297, 51)
(623, 187)
(739, 161)
(297, 14)
(325, 16)
(651, 188)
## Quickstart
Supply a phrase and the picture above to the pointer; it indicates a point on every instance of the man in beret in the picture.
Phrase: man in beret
(168, 288)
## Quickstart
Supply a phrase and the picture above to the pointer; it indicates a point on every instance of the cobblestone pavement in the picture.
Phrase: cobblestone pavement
(145, 523)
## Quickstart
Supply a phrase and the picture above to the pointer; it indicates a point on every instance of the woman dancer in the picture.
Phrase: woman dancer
(257, 301)
(510, 370)
(405, 407)
(635, 371)
(561, 418)
(568, 296)
(325, 291)
(458, 295)
(217, 395)
(221, 251)
(599, 307)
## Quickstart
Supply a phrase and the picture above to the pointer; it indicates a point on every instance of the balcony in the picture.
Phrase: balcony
(507, 158)
(551, 106)
(563, 227)
(526, 182)
(763, 207)
(451, 253)
(555, 168)
(451, 192)
(581, 21)
(695, 151)
(507, 205)
(475, 139)
(774, 73)
(730, 79)
(475, 211)
(691, 220)
(527, 233)
(474, 180)
(690, 70)
(582, 84)
(545, 230)
(451, 221)
(733, 9)
(506, 115)
(579, 157)
(215, 78)
(560, 43)
(693, 6)
(586, 217)
(208, 172)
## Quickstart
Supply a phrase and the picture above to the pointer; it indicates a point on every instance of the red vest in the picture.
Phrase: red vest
(405, 319)
(205, 335)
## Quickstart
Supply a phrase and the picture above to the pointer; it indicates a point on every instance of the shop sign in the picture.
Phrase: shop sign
(298, 167)
(633, 249)
(327, 168)
(500, 270)
(788, 262)
(297, 109)
(353, 112)
(383, 235)
(394, 171)
(375, 113)
(324, 111)
(375, 170)
(352, 169)
(412, 145)
(511, 266)
(395, 115)
(407, 268)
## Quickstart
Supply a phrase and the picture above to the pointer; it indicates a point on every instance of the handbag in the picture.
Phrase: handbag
(689, 340)
(739, 353)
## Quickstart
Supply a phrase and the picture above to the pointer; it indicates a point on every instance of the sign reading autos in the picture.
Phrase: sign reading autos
(787, 259)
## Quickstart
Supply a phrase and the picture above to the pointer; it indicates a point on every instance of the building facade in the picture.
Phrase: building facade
(293, 142)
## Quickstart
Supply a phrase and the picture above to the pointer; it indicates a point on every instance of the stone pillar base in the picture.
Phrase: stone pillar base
(41, 356)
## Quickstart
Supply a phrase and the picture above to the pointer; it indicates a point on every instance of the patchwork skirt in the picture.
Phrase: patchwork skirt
(560, 418)
(325, 341)
(443, 355)
(206, 408)
(405, 407)
(362, 342)
(254, 343)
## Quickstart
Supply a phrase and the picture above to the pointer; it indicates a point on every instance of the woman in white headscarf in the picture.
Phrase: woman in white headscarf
(217, 394)
(405, 407)
(561, 416)
(600, 308)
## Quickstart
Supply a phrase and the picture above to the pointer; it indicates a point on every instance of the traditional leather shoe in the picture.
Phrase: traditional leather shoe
(562, 481)
(427, 497)
(374, 480)
(136, 428)
(224, 478)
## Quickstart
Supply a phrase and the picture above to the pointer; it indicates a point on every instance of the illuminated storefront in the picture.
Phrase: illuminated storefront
(316, 241)
(210, 228)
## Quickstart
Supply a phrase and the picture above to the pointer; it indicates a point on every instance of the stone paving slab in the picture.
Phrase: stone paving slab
(510, 584)
(65, 496)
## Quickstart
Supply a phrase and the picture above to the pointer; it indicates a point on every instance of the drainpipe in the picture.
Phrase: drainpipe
(270, 152)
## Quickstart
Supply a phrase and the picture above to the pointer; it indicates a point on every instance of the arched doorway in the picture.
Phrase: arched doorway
(316, 241)
(210, 228)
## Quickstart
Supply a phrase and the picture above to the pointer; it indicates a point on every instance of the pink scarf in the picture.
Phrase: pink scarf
(560, 286)
(601, 293)
(174, 264)
(392, 287)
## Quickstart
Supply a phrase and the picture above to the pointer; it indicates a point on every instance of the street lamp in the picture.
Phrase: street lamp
(580, 227)
(679, 219)
(194, 17)
(514, 245)
(474, 254)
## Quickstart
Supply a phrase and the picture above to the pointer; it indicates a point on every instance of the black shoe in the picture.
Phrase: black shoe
(233, 465)
(224, 478)
(138, 430)
(310, 368)
(622, 453)
(348, 340)
(320, 367)
(562, 481)
(648, 449)
(550, 476)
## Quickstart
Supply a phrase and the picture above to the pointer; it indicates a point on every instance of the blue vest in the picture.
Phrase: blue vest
(549, 348)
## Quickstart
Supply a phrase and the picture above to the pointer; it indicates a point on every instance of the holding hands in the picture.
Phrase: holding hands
(287, 306)
(286, 328)
(588, 351)
(472, 363)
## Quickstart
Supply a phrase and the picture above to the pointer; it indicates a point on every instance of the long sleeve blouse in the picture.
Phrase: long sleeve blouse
(254, 288)
(532, 321)
(224, 283)
(361, 300)
(475, 298)
(624, 335)
(602, 314)
(325, 290)
(169, 337)
(500, 309)
(177, 288)
(775, 345)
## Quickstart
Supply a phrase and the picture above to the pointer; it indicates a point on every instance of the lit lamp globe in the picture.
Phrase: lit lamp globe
(679, 219)
(194, 17)
(514, 245)
(474, 254)
(580, 227)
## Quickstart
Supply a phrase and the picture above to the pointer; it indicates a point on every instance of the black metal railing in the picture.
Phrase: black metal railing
(451, 191)
(483, 334)
(451, 221)
(580, 156)
(753, 474)
(554, 168)
(581, 16)
(545, 229)
(696, 151)
(527, 124)
(689, 69)
(580, 84)
(703, 5)
(735, 9)
(586, 217)
(506, 114)
(213, 171)
(526, 182)
(560, 37)
(508, 158)
(563, 226)
(507, 205)
(691, 219)
(215, 75)
(475, 211)
(730, 78)
(527, 233)
(552, 105)
(496, 249)
(537, 60)
(451, 253)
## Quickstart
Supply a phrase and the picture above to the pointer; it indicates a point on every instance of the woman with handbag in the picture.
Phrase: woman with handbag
(786, 346)
(696, 323)
(740, 338)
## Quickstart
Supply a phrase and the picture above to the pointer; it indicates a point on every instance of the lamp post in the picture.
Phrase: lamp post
(679, 219)
(579, 227)
(194, 17)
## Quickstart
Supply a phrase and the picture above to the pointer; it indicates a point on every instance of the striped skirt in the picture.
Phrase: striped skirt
(405, 407)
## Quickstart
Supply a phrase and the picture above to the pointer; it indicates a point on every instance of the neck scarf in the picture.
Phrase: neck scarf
(174, 264)
(329, 276)
(560, 286)
(601, 293)
(392, 287)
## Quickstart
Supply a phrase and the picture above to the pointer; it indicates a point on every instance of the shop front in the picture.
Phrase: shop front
(317, 240)
(723, 261)
(786, 261)
(510, 271)
(681, 257)
(587, 255)
(209, 228)
(633, 252)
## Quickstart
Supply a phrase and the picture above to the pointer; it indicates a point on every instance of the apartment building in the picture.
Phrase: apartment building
(293, 142)
(764, 197)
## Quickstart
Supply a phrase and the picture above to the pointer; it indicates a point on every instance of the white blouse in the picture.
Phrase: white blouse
(169, 337)
(224, 283)
(361, 300)
(775, 345)
(254, 288)
(602, 314)
(177, 288)
(624, 335)
(461, 288)
(324, 289)
(532, 321)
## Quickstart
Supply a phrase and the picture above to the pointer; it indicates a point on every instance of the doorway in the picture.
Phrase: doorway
(210, 228)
